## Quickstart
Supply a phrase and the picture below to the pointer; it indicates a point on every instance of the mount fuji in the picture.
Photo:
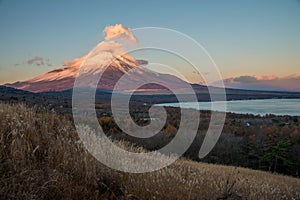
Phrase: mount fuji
(107, 61)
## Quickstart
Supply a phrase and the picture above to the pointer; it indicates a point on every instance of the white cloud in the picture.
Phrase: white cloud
(118, 31)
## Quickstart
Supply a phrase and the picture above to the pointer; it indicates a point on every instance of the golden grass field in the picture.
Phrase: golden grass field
(41, 158)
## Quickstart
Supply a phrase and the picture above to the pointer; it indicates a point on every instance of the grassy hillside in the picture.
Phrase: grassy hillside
(41, 158)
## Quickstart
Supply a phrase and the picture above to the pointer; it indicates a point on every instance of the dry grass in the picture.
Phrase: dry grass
(41, 158)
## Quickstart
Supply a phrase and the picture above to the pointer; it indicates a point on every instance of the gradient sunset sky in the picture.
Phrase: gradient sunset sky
(257, 39)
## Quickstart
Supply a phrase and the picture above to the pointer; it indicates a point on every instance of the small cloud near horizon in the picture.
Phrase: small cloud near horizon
(39, 61)
(36, 61)
(274, 83)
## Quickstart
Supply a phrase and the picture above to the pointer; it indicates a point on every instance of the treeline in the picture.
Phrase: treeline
(270, 143)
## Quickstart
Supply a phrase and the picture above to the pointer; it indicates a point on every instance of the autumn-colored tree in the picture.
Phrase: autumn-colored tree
(108, 125)
(170, 129)
(295, 135)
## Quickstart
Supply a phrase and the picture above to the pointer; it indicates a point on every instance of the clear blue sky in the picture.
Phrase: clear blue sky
(254, 37)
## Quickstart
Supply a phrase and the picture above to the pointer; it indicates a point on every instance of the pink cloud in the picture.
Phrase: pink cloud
(287, 83)
(264, 78)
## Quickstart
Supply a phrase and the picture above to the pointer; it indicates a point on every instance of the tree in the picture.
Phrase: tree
(295, 119)
(170, 129)
(277, 153)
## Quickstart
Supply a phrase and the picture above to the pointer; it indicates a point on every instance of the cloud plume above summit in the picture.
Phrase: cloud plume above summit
(118, 31)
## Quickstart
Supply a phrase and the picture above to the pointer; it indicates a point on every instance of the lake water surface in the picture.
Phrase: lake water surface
(257, 107)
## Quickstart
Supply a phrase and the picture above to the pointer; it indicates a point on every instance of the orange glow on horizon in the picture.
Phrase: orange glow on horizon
(266, 78)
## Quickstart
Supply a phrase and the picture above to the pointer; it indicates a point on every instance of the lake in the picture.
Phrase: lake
(257, 107)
